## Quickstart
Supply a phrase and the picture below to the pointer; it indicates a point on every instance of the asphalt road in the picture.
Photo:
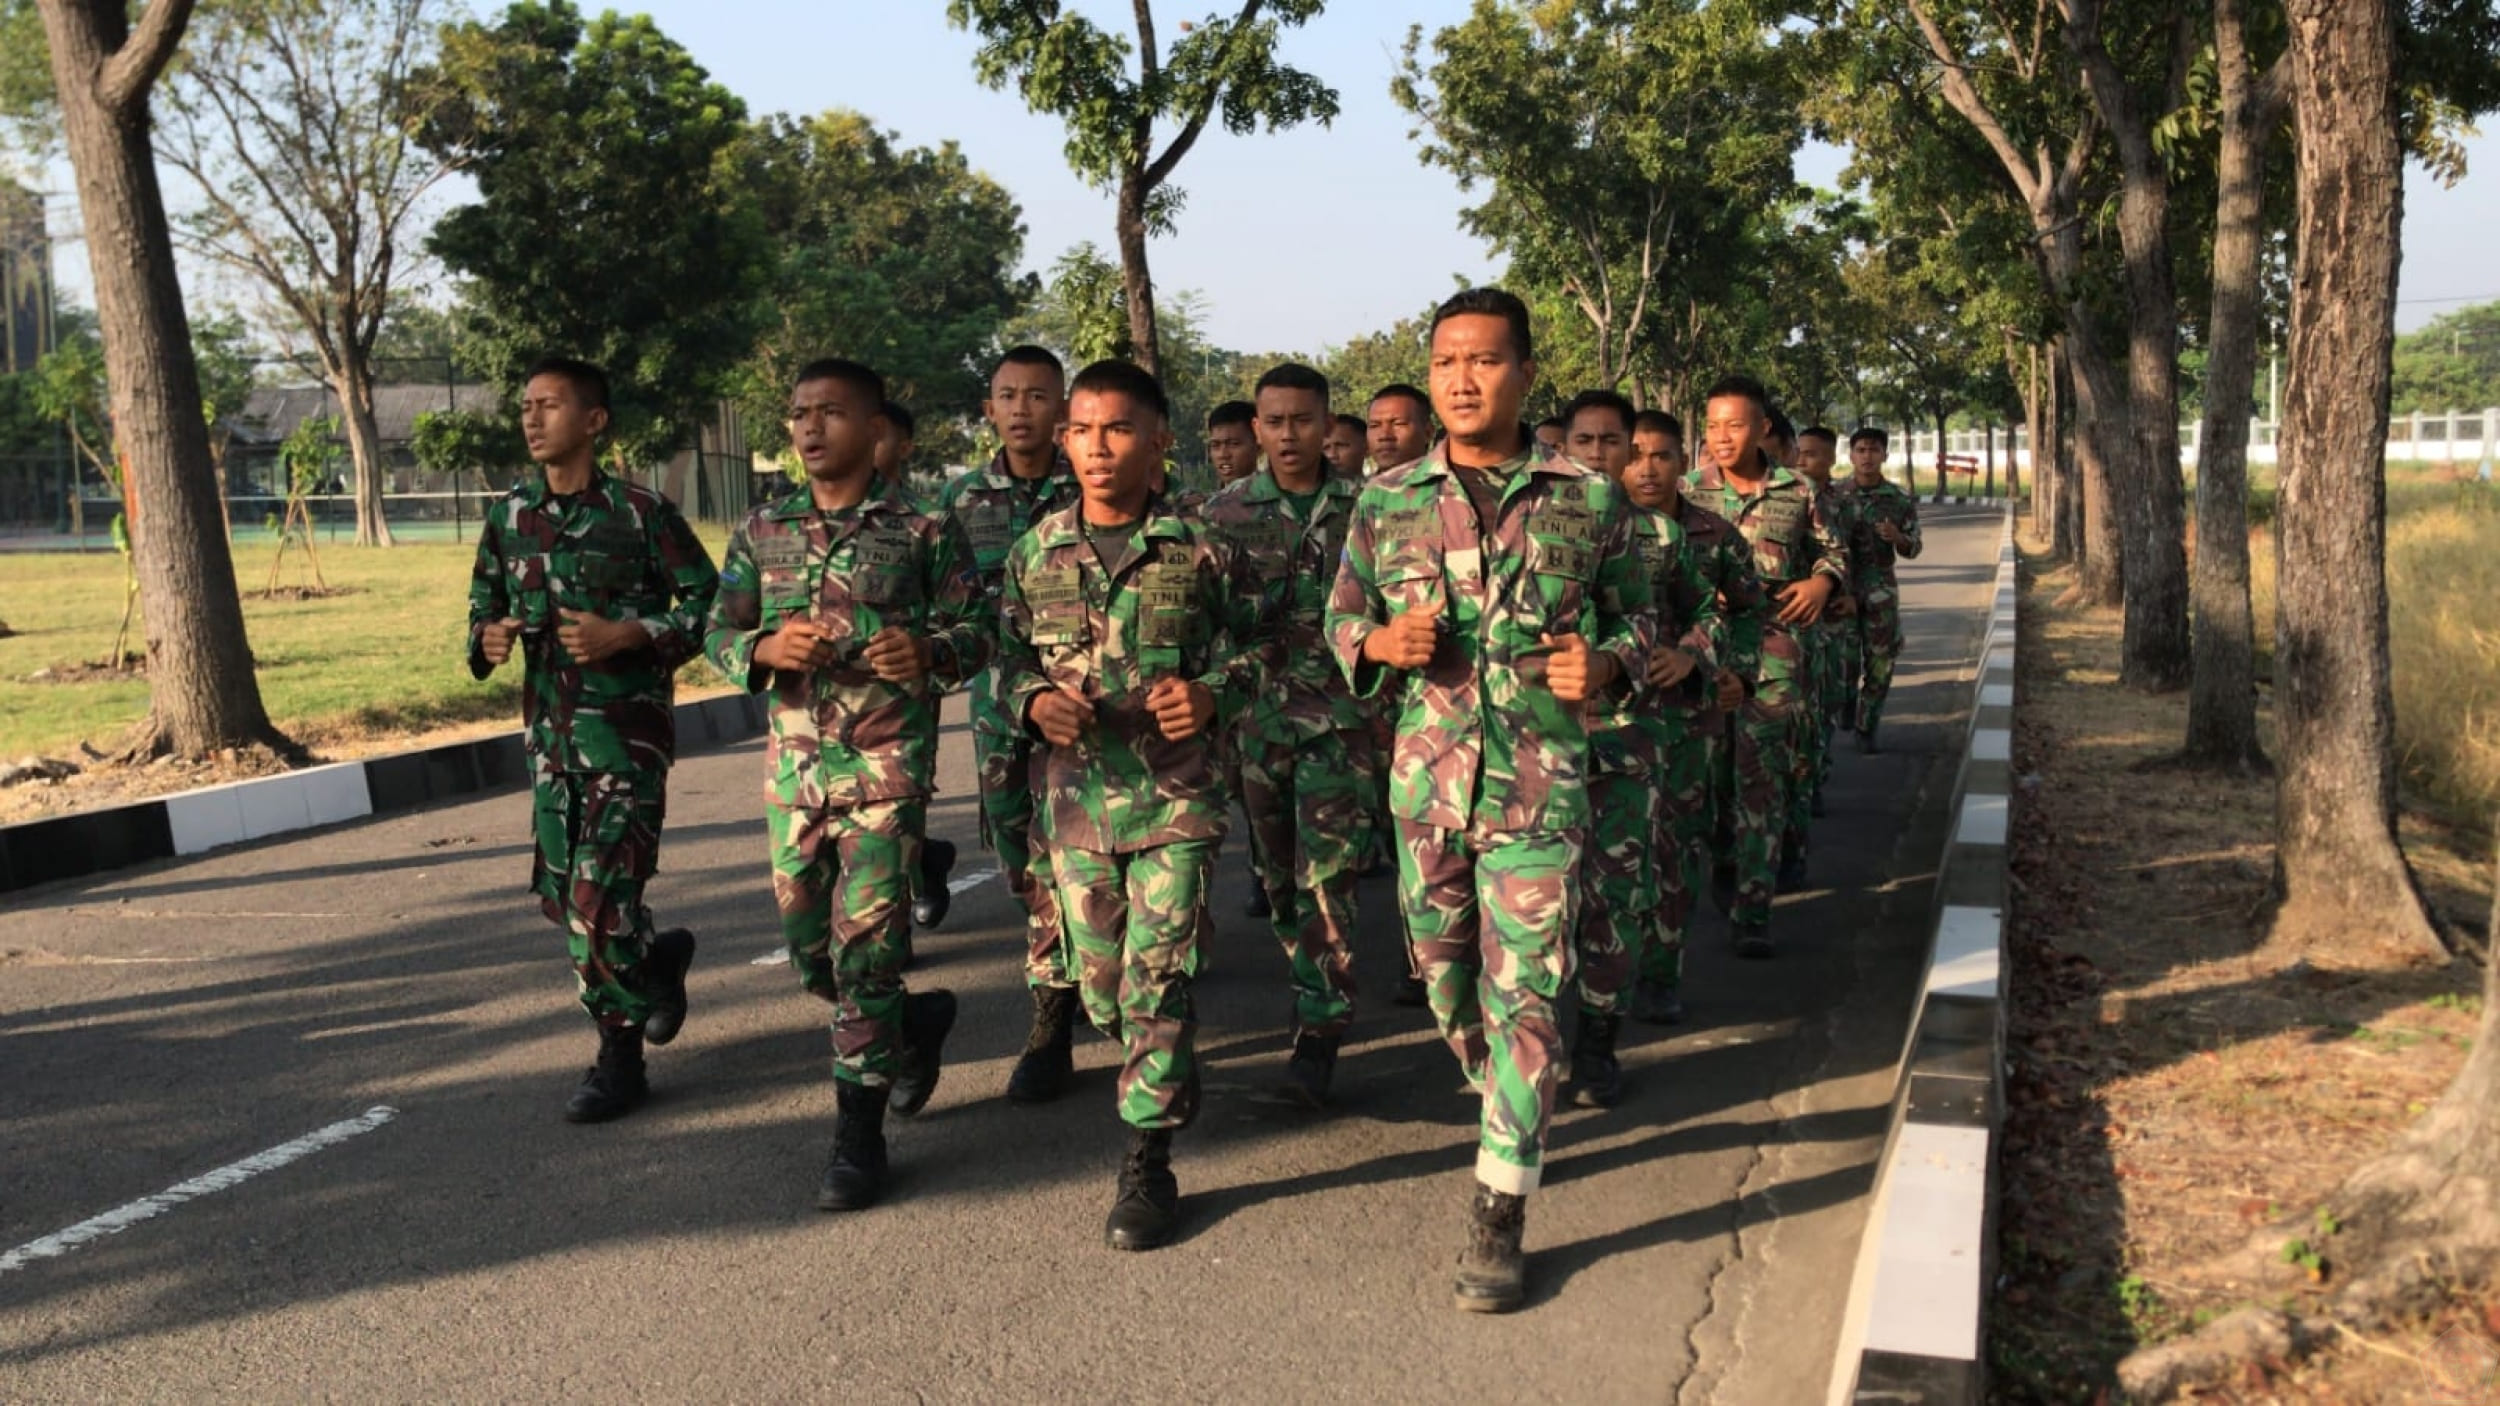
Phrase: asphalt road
(1694, 1243)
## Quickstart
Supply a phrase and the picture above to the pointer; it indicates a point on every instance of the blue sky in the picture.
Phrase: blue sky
(1298, 240)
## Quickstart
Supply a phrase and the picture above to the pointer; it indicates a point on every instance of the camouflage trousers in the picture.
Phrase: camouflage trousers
(841, 880)
(1010, 766)
(1689, 751)
(1757, 774)
(1134, 921)
(597, 839)
(1308, 801)
(1491, 920)
(1836, 677)
(1619, 886)
(1879, 646)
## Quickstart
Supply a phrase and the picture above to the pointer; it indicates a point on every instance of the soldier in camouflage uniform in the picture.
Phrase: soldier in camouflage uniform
(1117, 649)
(1830, 638)
(1633, 745)
(930, 898)
(1800, 563)
(1884, 526)
(1401, 433)
(1027, 481)
(855, 612)
(1307, 758)
(1232, 457)
(602, 587)
(1491, 590)
(1693, 724)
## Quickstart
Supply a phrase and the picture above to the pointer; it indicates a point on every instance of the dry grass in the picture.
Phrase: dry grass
(2174, 1083)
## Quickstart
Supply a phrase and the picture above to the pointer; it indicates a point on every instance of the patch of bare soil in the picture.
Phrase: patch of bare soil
(134, 665)
(2174, 1081)
(300, 593)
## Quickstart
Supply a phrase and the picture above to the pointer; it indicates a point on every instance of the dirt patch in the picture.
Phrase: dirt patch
(300, 593)
(2172, 1080)
(134, 665)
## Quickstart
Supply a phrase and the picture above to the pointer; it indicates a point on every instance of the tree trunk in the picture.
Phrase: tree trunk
(1988, 453)
(353, 384)
(2344, 878)
(1135, 282)
(202, 691)
(2153, 652)
(1944, 470)
(2061, 431)
(2222, 689)
(2034, 421)
(2103, 447)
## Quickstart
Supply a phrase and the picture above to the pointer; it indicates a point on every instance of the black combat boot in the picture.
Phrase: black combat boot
(1753, 941)
(1258, 906)
(1149, 1200)
(1313, 1064)
(1043, 1072)
(1866, 742)
(1596, 1075)
(615, 1086)
(937, 863)
(855, 1178)
(927, 1017)
(1492, 1274)
(665, 967)
(1656, 1002)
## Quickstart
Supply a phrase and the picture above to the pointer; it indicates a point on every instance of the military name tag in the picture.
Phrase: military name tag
(1558, 558)
(888, 551)
(1409, 525)
(779, 553)
(1054, 586)
(1166, 587)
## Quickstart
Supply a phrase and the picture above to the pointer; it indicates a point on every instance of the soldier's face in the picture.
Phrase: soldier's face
(893, 452)
(1553, 437)
(1401, 431)
(1478, 377)
(1293, 432)
(554, 422)
(1783, 452)
(1866, 460)
(835, 428)
(1117, 446)
(1025, 406)
(1657, 462)
(1733, 432)
(1598, 439)
(1815, 456)
(1344, 448)
(1234, 451)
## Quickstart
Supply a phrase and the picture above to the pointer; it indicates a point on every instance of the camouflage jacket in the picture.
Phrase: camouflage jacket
(1726, 566)
(617, 550)
(1787, 524)
(1292, 564)
(1173, 608)
(840, 735)
(1871, 555)
(1482, 744)
(994, 508)
(1627, 732)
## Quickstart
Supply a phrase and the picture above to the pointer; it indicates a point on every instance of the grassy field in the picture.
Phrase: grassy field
(383, 657)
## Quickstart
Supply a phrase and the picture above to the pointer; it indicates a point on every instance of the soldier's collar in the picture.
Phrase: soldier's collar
(533, 490)
(1001, 475)
(1066, 527)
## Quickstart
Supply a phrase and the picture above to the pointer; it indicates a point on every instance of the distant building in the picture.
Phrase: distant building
(25, 280)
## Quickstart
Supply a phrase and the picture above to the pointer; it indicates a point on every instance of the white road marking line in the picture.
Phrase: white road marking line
(121, 1218)
(957, 886)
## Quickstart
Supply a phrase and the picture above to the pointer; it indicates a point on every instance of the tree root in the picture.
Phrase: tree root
(148, 740)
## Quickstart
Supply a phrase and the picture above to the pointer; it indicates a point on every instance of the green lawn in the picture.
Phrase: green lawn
(385, 657)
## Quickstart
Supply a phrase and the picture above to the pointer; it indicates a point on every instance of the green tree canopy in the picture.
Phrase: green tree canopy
(610, 224)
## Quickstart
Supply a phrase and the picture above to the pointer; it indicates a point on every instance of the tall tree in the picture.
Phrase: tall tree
(1622, 150)
(901, 257)
(202, 693)
(292, 121)
(1065, 65)
(611, 223)
(2341, 869)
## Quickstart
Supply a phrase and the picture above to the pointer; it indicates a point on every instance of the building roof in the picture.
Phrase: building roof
(271, 413)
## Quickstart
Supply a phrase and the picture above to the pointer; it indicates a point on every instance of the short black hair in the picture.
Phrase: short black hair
(1396, 389)
(1824, 433)
(859, 376)
(1881, 436)
(1658, 422)
(901, 418)
(1599, 400)
(589, 383)
(1781, 426)
(1491, 302)
(1355, 423)
(1232, 412)
(1292, 376)
(1553, 422)
(1116, 377)
(1745, 386)
(1028, 354)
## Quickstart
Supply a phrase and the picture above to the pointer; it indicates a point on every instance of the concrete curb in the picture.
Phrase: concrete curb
(194, 822)
(1915, 1328)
